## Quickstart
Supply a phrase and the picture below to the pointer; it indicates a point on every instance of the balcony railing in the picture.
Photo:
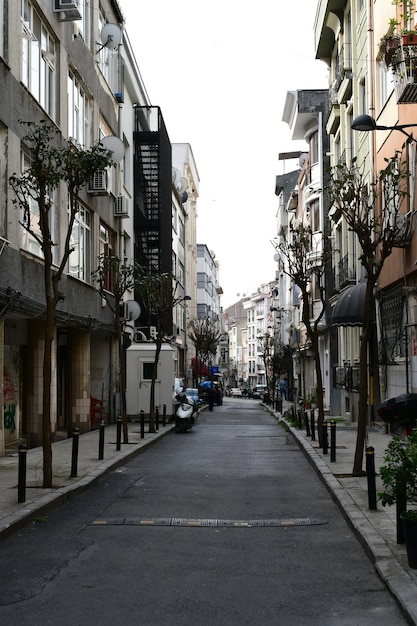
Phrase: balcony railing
(346, 272)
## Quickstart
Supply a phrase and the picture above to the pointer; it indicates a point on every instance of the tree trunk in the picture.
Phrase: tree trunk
(46, 400)
(122, 364)
(158, 346)
(319, 389)
(368, 320)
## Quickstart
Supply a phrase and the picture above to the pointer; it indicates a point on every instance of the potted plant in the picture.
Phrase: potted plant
(399, 478)
(389, 43)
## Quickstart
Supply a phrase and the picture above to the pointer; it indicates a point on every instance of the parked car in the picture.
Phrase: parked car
(235, 392)
(259, 391)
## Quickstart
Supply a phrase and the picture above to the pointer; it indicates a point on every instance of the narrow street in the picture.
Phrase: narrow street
(227, 525)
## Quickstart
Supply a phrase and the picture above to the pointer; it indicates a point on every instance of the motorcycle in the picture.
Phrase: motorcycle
(184, 415)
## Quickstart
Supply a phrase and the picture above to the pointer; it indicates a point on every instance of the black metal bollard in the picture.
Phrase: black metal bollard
(21, 485)
(370, 475)
(325, 438)
(157, 418)
(278, 405)
(119, 433)
(164, 414)
(312, 425)
(300, 419)
(142, 424)
(101, 441)
(332, 441)
(74, 456)
(307, 423)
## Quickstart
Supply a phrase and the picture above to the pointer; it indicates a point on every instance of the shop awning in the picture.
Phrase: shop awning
(348, 310)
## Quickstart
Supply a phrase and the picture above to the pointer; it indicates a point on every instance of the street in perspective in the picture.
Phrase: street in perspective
(226, 524)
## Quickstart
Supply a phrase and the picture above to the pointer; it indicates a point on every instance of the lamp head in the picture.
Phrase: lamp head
(363, 122)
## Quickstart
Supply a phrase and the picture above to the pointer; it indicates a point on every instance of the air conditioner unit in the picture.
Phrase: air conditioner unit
(121, 208)
(67, 9)
(98, 182)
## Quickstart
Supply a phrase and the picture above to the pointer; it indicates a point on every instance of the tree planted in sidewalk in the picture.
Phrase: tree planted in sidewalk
(205, 335)
(371, 209)
(52, 161)
(115, 278)
(158, 295)
(306, 256)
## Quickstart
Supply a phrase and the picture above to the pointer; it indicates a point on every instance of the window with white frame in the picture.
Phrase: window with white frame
(77, 111)
(386, 83)
(107, 241)
(29, 241)
(390, 195)
(105, 53)
(313, 141)
(84, 24)
(80, 257)
(38, 56)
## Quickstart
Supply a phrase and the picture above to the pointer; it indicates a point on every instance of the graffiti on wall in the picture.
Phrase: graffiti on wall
(9, 397)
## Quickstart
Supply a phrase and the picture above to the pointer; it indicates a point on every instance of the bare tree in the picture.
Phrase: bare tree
(158, 296)
(205, 335)
(306, 257)
(371, 209)
(51, 163)
(115, 277)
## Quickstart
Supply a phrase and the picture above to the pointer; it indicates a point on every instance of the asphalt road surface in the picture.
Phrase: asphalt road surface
(227, 525)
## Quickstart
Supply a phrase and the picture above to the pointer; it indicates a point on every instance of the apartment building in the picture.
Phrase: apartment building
(372, 94)
(71, 63)
(306, 209)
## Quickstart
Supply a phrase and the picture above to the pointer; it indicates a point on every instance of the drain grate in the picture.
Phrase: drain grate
(200, 523)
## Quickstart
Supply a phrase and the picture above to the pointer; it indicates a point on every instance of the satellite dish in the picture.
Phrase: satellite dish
(114, 145)
(111, 35)
(276, 257)
(134, 309)
(183, 184)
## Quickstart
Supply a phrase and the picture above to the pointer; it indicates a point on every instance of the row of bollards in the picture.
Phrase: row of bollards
(309, 425)
(21, 487)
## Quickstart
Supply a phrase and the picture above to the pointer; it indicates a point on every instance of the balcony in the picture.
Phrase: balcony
(403, 61)
(346, 272)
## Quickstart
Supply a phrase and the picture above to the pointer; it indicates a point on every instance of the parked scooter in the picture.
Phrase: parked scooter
(184, 415)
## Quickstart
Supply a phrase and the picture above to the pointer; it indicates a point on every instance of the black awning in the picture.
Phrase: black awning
(348, 310)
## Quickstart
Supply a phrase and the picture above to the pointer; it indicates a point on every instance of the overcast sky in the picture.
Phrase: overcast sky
(220, 71)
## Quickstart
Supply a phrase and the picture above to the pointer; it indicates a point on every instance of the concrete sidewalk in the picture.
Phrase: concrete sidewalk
(376, 529)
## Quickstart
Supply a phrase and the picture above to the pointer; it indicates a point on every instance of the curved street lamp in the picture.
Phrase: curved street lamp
(367, 123)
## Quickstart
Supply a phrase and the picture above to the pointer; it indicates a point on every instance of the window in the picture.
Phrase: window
(314, 147)
(391, 198)
(106, 246)
(80, 258)
(84, 23)
(147, 371)
(315, 215)
(181, 231)
(386, 83)
(77, 111)
(105, 54)
(363, 106)
(38, 58)
(29, 240)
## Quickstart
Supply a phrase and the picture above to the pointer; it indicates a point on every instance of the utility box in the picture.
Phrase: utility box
(139, 365)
